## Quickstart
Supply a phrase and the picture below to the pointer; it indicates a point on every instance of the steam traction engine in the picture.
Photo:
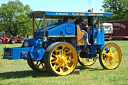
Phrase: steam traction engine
(58, 47)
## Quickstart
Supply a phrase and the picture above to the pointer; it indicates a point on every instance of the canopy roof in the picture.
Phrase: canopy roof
(50, 14)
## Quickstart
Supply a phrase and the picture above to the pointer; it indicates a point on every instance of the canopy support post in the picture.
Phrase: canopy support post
(99, 24)
(44, 25)
(44, 38)
(33, 25)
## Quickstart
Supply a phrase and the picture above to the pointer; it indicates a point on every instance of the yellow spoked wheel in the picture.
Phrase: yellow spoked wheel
(36, 65)
(60, 58)
(85, 61)
(110, 56)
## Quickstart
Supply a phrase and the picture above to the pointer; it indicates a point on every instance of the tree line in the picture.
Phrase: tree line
(14, 20)
(119, 8)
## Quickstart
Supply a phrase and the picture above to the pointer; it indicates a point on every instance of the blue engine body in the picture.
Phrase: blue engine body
(57, 30)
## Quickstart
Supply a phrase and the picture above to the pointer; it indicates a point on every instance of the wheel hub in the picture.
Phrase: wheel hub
(62, 58)
(111, 56)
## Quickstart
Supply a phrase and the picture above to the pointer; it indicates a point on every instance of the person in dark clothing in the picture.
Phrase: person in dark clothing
(81, 22)
(65, 19)
(83, 26)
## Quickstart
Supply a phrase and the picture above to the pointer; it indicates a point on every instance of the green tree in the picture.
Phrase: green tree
(13, 18)
(119, 8)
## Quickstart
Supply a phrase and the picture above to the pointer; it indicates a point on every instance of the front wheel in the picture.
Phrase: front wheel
(110, 56)
(60, 58)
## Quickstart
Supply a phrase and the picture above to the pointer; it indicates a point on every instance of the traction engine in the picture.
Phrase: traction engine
(59, 46)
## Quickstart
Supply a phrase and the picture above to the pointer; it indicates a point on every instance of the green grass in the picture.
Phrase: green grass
(17, 72)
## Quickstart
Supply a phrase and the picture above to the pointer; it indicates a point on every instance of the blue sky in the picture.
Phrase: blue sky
(62, 5)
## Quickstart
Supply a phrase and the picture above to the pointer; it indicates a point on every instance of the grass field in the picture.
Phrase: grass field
(17, 72)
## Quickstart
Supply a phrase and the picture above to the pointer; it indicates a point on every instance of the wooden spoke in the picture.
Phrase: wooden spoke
(105, 53)
(68, 52)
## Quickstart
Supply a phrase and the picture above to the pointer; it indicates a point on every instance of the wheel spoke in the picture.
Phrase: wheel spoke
(43, 65)
(114, 52)
(54, 62)
(65, 51)
(57, 66)
(54, 55)
(52, 58)
(110, 50)
(117, 60)
(105, 53)
(70, 59)
(69, 52)
(57, 50)
(67, 57)
(60, 50)
(63, 68)
(37, 63)
(63, 47)
(110, 67)
(67, 67)
(69, 64)
(87, 60)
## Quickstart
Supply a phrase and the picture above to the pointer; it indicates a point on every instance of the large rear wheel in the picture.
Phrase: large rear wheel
(84, 61)
(110, 56)
(36, 65)
(60, 58)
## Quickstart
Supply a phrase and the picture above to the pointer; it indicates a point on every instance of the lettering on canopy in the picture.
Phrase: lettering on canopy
(94, 14)
(61, 13)
(71, 14)
(79, 14)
